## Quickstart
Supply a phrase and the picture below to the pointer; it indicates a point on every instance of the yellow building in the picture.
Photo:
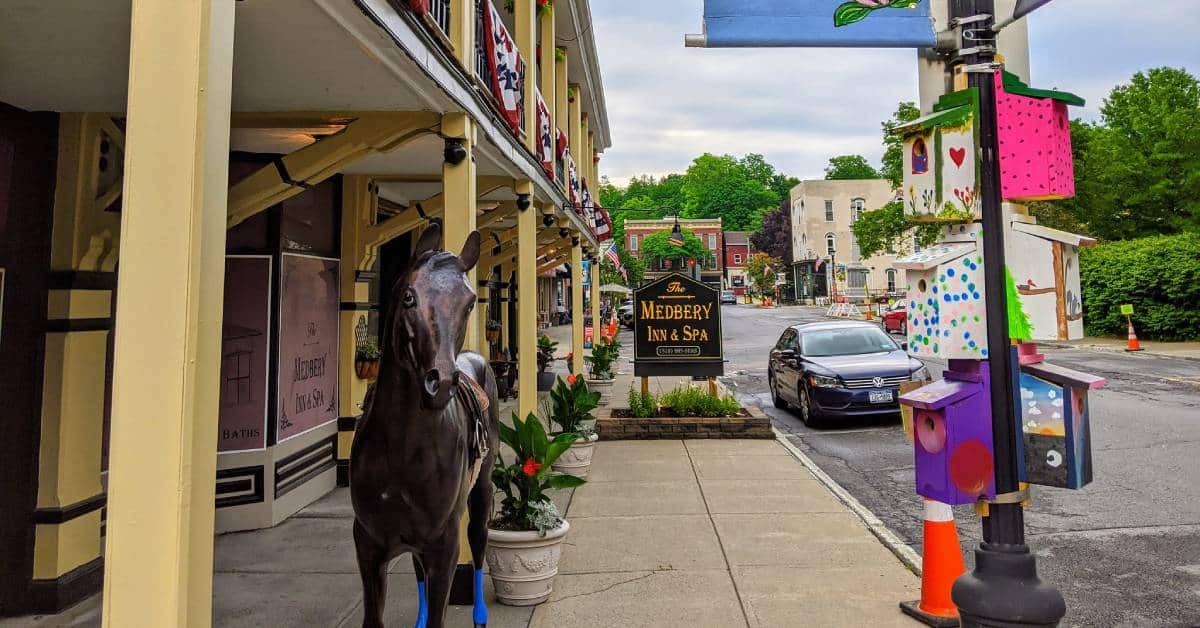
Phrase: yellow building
(203, 204)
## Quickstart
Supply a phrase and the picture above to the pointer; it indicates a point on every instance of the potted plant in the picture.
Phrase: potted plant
(493, 330)
(366, 359)
(571, 405)
(601, 362)
(524, 539)
(545, 357)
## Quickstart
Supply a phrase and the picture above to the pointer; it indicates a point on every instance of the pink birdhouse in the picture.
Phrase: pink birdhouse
(1035, 141)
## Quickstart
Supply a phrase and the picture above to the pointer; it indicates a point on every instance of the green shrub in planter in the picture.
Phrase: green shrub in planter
(695, 401)
(642, 406)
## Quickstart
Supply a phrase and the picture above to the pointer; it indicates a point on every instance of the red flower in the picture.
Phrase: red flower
(571, 379)
(531, 468)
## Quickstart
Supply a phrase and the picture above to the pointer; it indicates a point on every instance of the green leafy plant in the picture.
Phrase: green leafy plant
(642, 406)
(367, 350)
(851, 12)
(525, 482)
(604, 355)
(1159, 276)
(545, 354)
(695, 401)
(572, 404)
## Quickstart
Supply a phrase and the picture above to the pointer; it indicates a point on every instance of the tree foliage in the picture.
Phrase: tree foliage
(886, 228)
(775, 236)
(1137, 171)
(731, 189)
(850, 167)
(893, 154)
(761, 269)
(658, 245)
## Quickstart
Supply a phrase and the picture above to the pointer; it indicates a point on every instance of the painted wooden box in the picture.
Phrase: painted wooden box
(947, 316)
(952, 429)
(1044, 264)
(1035, 141)
(941, 171)
(1056, 440)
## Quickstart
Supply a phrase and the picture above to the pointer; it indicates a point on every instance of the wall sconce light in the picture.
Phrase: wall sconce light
(547, 220)
(455, 151)
(562, 233)
(523, 202)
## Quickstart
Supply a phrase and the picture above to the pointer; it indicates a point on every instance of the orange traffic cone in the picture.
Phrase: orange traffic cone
(941, 565)
(869, 315)
(1133, 345)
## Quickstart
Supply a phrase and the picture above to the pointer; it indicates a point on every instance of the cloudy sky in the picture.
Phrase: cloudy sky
(798, 107)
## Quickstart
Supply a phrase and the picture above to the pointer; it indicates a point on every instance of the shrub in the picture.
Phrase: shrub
(1159, 276)
(604, 354)
(694, 401)
(642, 406)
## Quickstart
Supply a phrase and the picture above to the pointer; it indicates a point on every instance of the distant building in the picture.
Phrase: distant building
(707, 229)
(738, 250)
(823, 213)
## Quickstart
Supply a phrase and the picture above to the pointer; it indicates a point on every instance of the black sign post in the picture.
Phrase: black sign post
(677, 329)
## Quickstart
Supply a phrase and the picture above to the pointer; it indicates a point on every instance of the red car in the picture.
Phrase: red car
(895, 319)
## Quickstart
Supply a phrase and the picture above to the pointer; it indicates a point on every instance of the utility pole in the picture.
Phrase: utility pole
(1004, 589)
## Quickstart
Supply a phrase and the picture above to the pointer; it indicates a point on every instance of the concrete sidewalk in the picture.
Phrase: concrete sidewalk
(718, 533)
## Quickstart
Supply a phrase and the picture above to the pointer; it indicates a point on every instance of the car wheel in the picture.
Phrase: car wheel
(808, 415)
(779, 402)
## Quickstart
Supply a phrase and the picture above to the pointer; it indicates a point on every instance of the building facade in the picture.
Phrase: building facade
(737, 252)
(826, 254)
(203, 208)
(708, 230)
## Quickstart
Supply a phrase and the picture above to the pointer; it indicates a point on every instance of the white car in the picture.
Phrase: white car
(728, 296)
(625, 313)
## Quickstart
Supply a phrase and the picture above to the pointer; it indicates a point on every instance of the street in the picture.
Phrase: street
(1124, 551)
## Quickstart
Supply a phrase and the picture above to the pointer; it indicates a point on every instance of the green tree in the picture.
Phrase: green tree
(883, 229)
(762, 268)
(658, 246)
(850, 167)
(893, 154)
(722, 187)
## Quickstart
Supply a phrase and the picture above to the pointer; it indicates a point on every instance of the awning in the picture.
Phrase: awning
(612, 287)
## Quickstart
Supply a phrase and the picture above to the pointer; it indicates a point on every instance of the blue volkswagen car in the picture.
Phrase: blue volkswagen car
(839, 369)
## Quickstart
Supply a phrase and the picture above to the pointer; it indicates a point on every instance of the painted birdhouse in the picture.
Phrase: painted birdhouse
(1035, 141)
(1056, 438)
(941, 172)
(1044, 263)
(946, 312)
(952, 440)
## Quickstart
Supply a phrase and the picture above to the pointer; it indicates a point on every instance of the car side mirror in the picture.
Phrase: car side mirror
(787, 353)
(904, 346)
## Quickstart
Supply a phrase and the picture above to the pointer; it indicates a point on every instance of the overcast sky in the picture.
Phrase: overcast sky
(798, 107)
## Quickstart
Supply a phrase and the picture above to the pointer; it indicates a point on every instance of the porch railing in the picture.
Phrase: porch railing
(439, 13)
(483, 70)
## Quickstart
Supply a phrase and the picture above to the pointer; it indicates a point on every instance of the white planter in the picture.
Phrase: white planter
(523, 564)
(602, 386)
(578, 458)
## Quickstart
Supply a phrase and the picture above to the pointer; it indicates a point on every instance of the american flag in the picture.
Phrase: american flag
(615, 257)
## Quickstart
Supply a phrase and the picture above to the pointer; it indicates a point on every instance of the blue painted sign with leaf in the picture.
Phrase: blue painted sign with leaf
(818, 23)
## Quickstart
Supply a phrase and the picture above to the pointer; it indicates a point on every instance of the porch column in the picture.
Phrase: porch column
(525, 14)
(159, 558)
(458, 188)
(574, 128)
(358, 257)
(462, 31)
(549, 72)
(527, 304)
(561, 106)
(597, 328)
(577, 304)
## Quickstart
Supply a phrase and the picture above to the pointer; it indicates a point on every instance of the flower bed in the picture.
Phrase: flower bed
(686, 412)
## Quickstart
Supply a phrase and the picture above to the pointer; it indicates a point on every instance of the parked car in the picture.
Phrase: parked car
(895, 319)
(728, 296)
(841, 369)
(625, 314)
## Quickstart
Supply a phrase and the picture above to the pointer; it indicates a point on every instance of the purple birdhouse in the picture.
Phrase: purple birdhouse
(952, 435)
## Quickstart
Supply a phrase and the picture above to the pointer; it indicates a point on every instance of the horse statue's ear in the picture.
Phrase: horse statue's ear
(431, 239)
(470, 251)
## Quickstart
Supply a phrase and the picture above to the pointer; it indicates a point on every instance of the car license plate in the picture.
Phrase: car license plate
(881, 396)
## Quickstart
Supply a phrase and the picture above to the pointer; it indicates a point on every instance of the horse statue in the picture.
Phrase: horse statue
(428, 437)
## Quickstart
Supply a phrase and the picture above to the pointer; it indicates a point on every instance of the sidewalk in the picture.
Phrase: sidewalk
(1183, 350)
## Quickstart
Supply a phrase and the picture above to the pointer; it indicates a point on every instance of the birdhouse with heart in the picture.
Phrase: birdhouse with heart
(952, 435)
(1056, 437)
(1035, 141)
(941, 169)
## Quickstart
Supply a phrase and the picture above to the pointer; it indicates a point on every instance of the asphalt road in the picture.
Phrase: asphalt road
(1124, 550)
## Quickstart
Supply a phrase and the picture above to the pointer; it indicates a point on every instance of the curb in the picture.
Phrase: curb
(906, 554)
(1115, 350)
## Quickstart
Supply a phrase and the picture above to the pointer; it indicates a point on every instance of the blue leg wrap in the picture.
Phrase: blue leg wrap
(422, 605)
(480, 614)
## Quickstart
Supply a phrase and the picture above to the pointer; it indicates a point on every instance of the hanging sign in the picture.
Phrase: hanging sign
(816, 23)
(677, 328)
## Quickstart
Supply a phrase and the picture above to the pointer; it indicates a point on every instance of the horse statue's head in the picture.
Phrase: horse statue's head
(430, 304)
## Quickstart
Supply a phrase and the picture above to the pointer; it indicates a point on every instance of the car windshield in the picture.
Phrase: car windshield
(846, 341)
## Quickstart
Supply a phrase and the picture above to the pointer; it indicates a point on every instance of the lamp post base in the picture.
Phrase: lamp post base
(1004, 591)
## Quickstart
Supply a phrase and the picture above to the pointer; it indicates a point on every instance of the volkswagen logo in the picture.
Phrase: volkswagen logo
(878, 382)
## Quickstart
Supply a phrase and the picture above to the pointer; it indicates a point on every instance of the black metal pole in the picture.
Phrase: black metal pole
(1004, 589)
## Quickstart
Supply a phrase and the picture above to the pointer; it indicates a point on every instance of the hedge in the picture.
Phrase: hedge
(1159, 276)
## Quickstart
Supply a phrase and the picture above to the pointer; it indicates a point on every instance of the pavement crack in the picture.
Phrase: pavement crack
(607, 588)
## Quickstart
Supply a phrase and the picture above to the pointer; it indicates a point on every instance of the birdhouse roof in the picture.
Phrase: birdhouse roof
(1063, 376)
(1053, 234)
(939, 394)
(935, 255)
(951, 110)
(1014, 85)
